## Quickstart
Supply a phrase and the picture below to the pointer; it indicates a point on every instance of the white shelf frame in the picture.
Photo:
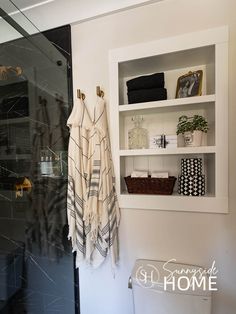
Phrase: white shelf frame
(168, 151)
(207, 204)
(214, 204)
(168, 103)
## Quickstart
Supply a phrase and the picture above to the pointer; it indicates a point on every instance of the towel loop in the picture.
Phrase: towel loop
(100, 92)
(80, 95)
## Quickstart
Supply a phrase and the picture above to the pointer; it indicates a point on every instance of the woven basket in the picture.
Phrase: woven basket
(163, 186)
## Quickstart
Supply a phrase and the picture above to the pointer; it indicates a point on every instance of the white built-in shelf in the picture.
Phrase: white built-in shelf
(204, 50)
(210, 204)
(168, 103)
(168, 151)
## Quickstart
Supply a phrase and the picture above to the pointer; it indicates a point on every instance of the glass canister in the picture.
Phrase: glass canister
(138, 136)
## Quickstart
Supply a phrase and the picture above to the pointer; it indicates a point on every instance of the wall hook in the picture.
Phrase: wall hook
(80, 95)
(100, 93)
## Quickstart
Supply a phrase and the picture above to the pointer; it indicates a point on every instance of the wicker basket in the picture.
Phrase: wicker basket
(163, 186)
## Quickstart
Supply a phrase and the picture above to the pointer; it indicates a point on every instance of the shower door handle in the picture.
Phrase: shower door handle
(130, 286)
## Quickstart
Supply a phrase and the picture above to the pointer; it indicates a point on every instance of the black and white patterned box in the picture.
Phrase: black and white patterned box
(191, 185)
(191, 166)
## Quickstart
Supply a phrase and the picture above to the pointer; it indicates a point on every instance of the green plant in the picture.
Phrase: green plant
(190, 124)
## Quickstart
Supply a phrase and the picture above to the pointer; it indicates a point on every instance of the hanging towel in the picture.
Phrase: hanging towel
(79, 123)
(145, 95)
(102, 214)
(156, 80)
(93, 211)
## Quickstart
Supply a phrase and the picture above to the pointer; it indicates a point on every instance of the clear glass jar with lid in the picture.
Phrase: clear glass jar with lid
(138, 136)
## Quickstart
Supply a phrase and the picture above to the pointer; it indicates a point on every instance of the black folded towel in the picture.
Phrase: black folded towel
(147, 81)
(145, 95)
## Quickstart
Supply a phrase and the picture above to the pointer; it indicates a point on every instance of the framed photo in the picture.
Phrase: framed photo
(189, 85)
(157, 141)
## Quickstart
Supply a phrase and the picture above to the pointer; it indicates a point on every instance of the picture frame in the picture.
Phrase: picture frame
(189, 85)
(157, 141)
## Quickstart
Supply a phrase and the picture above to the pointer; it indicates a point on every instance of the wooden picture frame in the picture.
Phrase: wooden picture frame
(189, 85)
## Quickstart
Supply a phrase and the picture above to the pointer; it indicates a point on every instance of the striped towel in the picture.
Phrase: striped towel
(92, 207)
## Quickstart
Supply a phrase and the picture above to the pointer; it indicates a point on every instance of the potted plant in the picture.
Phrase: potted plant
(192, 129)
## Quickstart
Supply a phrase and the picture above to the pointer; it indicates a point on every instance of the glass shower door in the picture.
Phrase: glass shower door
(36, 263)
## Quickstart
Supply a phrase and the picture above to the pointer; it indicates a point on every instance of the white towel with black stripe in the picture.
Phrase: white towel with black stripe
(95, 217)
(79, 123)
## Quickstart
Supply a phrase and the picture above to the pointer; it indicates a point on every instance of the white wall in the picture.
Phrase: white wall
(46, 14)
(188, 237)
(64, 12)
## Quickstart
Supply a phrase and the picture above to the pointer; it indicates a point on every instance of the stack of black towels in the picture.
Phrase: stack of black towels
(146, 88)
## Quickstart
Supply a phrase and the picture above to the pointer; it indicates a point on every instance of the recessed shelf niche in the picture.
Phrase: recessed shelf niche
(207, 51)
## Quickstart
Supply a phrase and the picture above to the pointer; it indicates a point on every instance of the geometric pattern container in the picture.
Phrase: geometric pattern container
(191, 182)
(191, 185)
(191, 166)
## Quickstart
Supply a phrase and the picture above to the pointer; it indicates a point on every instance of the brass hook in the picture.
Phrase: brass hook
(100, 93)
(80, 95)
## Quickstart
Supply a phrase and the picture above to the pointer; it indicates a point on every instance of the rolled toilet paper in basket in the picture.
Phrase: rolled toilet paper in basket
(139, 174)
(160, 174)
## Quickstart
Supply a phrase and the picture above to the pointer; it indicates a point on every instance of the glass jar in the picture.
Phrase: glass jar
(138, 136)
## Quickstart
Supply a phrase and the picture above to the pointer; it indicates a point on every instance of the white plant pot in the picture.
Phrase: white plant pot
(193, 139)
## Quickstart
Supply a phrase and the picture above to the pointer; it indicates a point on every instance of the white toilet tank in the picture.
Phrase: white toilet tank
(151, 296)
